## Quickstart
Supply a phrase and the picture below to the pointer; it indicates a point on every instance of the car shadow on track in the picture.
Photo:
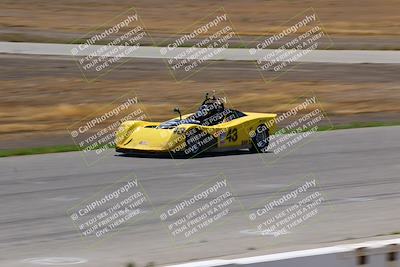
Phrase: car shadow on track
(202, 155)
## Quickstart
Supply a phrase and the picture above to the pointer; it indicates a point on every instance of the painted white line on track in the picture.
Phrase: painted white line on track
(55, 261)
(63, 198)
(272, 185)
(264, 232)
(359, 199)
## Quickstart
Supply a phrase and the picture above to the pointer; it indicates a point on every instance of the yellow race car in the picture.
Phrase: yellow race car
(213, 127)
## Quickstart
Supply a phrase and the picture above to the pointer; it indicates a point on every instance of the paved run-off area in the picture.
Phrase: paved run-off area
(358, 172)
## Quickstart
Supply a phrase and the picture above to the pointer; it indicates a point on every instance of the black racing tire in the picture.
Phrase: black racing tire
(260, 139)
(197, 142)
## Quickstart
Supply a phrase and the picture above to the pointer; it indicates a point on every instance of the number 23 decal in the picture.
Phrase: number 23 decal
(232, 135)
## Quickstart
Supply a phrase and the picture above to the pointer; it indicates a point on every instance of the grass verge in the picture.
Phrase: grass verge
(37, 150)
(357, 125)
(68, 148)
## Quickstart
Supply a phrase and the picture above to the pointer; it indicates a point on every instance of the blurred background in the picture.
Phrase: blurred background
(42, 95)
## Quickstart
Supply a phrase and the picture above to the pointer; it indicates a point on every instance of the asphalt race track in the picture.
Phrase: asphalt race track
(236, 54)
(358, 172)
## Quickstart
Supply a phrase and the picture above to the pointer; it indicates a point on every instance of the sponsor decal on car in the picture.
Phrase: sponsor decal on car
(222, 137)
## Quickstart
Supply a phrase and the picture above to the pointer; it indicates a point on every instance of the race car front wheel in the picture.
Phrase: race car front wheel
(260, 139)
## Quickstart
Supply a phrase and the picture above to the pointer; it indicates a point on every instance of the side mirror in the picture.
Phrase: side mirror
(177, 110)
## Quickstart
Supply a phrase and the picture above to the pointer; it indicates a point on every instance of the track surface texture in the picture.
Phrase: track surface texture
(358, 171)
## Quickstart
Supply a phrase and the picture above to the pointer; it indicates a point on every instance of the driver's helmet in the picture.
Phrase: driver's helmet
(208, 110)
(202, 111)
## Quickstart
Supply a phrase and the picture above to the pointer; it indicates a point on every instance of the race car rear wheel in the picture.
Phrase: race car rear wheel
(260, 139)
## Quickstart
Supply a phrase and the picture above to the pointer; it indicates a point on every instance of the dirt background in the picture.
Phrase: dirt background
(352, 24)
(42, 95)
